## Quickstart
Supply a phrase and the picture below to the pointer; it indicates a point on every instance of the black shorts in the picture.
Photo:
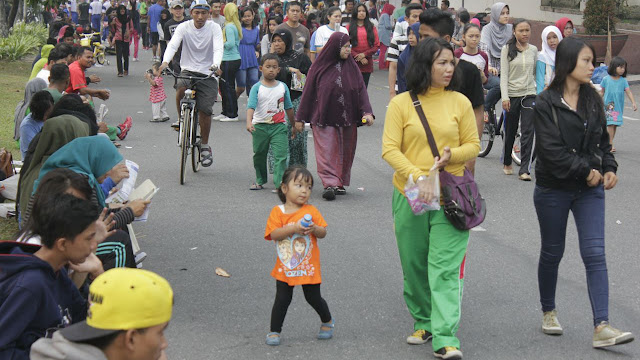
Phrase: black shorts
(206, 91)
(155, 37)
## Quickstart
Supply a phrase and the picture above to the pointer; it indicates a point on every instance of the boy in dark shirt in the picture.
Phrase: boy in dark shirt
(437, 23)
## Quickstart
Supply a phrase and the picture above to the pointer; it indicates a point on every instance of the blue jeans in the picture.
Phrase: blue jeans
(493, 85)
(228, 88)
(587, 206)
(95, 23)
(246, 78)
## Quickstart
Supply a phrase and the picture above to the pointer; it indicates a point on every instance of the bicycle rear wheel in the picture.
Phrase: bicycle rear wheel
(196, 143)
(185, 144)
(486, 138)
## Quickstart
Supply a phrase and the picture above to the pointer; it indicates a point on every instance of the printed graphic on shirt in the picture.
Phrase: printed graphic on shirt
(295, 254)
(278, 115)
(610, 112)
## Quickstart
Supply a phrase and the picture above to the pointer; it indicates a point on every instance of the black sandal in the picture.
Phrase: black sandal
(256, 187)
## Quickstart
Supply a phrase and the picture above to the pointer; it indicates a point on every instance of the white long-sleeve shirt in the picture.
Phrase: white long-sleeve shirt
(201, 48)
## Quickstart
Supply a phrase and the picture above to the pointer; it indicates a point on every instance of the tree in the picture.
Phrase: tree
(599, 16)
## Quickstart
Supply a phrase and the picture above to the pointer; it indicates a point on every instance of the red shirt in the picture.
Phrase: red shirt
(363, 47)
(77, 79)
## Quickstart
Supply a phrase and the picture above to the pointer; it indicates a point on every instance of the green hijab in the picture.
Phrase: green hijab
(42, 62)
(92, 156)
(56, 133)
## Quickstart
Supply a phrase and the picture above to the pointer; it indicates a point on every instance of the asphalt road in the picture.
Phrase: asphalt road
(215, 221)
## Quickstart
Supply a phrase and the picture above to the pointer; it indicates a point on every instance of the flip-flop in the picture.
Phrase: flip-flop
(613, 150)
(256, 187)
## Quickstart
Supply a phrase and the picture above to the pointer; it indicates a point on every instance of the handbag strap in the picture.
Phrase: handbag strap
(425, 123)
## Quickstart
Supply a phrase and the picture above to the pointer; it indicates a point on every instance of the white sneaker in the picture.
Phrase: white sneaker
(135, 59)
(218, 117)
(550, 323)
(228, 119)
(606, 335)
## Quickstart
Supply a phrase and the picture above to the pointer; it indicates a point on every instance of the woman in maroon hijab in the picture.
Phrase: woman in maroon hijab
(335, 102)
(566, 26)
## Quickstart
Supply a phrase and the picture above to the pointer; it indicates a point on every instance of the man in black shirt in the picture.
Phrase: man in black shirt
(83, 13)
(169, 28)
(346, 14)
(437, 23)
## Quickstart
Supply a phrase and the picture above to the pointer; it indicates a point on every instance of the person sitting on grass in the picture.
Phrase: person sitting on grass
(58, 81)
(130, 310)
(40, 105)
(38, 296)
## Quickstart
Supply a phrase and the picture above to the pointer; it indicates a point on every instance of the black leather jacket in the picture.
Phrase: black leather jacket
(569, 150)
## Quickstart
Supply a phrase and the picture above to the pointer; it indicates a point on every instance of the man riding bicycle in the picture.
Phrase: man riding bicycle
(202, 48)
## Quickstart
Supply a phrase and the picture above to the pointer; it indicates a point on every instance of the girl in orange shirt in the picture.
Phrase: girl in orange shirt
(298, 260)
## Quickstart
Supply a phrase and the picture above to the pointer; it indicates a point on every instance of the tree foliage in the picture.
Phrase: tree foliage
(596, 14)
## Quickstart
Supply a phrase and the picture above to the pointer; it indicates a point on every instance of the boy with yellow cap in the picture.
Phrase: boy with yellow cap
(129, 309)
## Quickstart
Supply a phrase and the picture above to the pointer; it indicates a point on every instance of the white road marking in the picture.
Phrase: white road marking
(630, 118)
(478, 228)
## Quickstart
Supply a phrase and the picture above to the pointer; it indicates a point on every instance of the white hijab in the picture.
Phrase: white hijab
(548, 55)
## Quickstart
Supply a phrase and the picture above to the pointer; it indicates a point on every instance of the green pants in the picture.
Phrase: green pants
(432, 254)
(274, 135)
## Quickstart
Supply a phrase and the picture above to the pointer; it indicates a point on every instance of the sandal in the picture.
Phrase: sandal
(256, 187)
(613, 150)
(326, 334)
(206, 157)
(273, 339)
(117, 144)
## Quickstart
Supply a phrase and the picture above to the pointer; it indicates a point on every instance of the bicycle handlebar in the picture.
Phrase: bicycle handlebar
(192, 78)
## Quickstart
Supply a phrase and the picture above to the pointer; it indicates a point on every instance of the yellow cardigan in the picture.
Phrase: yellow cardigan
(404, 141)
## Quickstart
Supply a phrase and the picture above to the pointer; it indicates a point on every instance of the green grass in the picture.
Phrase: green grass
(13, 77)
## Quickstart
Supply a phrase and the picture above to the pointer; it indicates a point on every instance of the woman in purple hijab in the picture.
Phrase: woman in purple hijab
(335, 102)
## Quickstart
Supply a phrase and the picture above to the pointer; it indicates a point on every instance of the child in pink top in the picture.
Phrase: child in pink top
(471, 53)
(156, 94)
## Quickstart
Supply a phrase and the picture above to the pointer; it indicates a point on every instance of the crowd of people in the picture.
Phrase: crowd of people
(300, 65)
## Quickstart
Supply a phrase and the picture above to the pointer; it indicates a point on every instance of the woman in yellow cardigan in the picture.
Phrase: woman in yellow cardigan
(432, 251)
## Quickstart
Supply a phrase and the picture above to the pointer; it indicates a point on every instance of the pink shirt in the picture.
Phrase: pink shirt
(156, 93)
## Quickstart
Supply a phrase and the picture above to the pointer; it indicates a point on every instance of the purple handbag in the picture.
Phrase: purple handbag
(463, 205)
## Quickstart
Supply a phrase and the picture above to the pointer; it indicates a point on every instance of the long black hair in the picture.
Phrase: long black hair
(512, 43)
(353, 26)
(566, 61)
(418, 72)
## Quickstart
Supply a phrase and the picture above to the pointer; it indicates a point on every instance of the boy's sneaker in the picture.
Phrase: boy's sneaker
(448, 352)
(165, 119)
(218, 117)
(419, 337)
(550, 323)
(605, 335)
(155, 120)
(125, 127)
(228, 119)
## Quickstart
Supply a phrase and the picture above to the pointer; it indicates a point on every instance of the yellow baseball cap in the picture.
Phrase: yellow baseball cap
(122, 299)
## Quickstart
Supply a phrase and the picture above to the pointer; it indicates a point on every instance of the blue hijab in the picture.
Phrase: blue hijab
(92, 156)
(403, 61)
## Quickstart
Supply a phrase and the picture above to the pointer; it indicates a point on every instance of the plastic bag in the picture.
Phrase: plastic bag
(598, 74)
(412, 193)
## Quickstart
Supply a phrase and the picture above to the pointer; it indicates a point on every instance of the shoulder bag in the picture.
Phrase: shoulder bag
(463, 205)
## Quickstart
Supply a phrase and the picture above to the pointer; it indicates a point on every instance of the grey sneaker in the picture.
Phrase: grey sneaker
(550, 323)
(605, 335)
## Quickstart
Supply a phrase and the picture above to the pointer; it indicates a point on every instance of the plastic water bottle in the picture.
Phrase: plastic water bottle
(306, 221)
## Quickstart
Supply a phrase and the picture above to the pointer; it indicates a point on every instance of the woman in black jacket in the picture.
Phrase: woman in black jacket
(574, 167)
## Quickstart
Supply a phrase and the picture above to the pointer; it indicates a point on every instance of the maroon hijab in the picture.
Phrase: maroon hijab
(334, 94)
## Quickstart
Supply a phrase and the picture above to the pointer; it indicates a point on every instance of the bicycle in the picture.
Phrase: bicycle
(99, 51)
(493, 127)
(189, 139)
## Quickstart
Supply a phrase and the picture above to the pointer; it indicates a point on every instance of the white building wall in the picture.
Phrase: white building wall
(528, 9)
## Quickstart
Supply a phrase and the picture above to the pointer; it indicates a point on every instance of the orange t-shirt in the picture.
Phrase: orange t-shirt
(298, 256)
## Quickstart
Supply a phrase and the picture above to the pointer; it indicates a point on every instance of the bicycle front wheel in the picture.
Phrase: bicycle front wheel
(185, 144)
(486, 140)
(100, 58)
(196, 143)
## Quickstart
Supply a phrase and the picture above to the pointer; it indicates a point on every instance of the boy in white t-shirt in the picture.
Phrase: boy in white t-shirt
(269, 99)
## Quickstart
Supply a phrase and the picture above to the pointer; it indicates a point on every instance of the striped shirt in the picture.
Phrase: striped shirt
(399, 41)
